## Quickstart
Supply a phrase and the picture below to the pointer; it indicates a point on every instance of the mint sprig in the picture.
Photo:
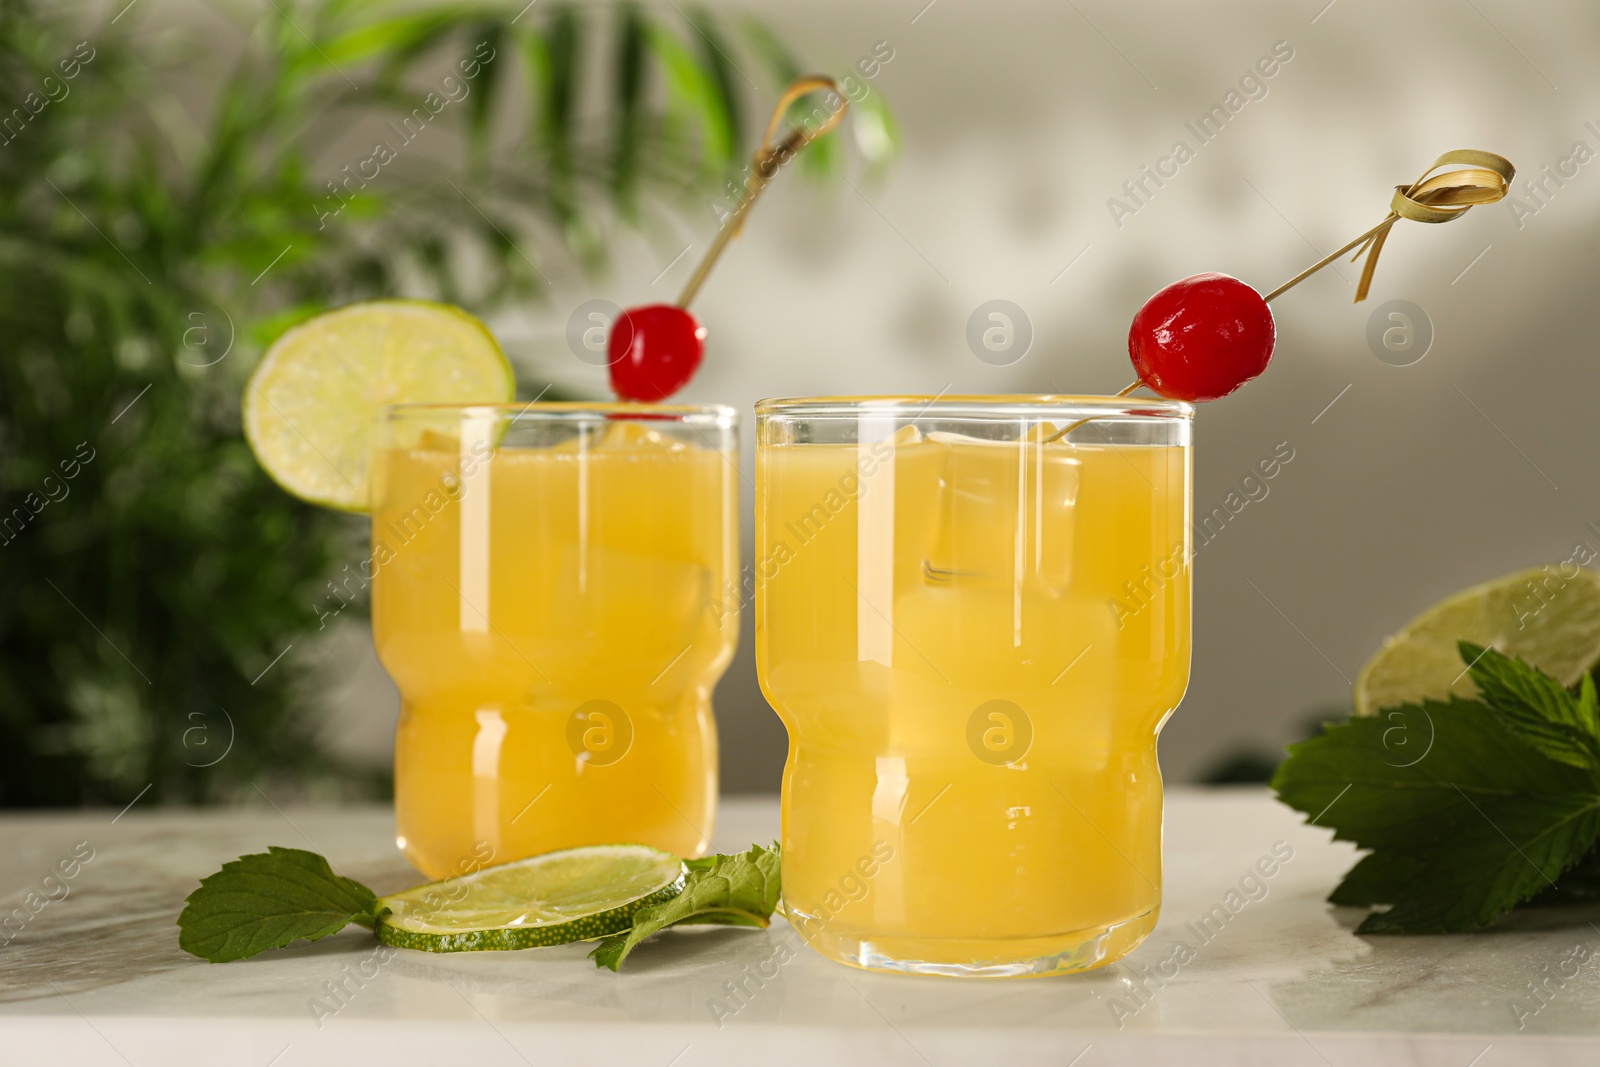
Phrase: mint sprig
(268, 900)
(1468, 807)
(737, 890)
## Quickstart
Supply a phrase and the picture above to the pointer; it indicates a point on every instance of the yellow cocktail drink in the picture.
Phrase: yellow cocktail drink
(973, 634)
(548, 598)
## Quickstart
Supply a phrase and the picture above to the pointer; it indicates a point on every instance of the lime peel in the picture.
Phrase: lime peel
(576, 894)
(314, 405)
(1545, 617)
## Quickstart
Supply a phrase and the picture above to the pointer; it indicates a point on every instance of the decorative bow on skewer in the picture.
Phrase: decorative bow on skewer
(1443, 197)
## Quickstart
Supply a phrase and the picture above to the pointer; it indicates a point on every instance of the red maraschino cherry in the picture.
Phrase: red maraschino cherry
(1201, 338)
(654, 351)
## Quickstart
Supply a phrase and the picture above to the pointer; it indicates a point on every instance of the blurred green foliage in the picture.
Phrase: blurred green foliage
(167, 203)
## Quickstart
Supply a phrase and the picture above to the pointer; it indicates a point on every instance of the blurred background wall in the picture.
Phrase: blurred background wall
(1022, 121)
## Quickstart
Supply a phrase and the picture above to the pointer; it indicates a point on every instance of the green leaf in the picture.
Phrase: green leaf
(1464, 818)
(1537, 706)
(560, 62)
(268, 900)
(480, 107)
(737, 890)
(632, 53)
(1588, 706)
(1532, 840)
(1579, 884)
(693, 98)
(393, 40)
(716, 53)
(562, 70)
(779, 61)
(535, 51)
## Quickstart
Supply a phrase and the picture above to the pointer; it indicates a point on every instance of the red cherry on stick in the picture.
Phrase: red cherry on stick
(654, 351)
(1201, 338)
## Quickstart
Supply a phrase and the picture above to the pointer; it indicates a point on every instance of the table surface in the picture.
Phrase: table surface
(97, 977)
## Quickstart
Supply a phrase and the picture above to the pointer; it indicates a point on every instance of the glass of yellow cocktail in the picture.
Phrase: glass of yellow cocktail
(549, 598)
(972, 615)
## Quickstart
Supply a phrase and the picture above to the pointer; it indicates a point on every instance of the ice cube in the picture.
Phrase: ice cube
(1004, 513)
(637, 435)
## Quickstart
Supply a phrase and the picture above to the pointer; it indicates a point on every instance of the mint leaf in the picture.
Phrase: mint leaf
(1480, 822)
(267, 900)
(1580, 884)
(1534, 701)
(1542, 710)
(737, 890)
(1588, 706)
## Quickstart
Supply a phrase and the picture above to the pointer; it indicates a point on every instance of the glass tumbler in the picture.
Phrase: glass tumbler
(972, 615)
(549, 597)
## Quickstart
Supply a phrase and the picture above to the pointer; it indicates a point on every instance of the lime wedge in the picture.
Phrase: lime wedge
(1542, 616)
(314, 405)
(573, 895)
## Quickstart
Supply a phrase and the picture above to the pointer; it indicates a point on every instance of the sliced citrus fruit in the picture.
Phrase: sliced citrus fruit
(1542, 616)
(315, 403)
(576, 894)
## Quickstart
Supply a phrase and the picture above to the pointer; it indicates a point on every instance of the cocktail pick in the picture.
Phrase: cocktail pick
(1442, 197)
(764, 167)
(655, 350)
(1204, 336)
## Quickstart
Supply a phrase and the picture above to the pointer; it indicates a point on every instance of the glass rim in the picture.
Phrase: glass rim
(572, 411)
(995, 406)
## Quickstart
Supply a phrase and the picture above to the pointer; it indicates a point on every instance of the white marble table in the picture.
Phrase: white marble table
(97, 977)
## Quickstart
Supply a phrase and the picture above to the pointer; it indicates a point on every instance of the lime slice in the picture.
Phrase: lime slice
(314, 405)
(554, 899)
(1541, 616)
